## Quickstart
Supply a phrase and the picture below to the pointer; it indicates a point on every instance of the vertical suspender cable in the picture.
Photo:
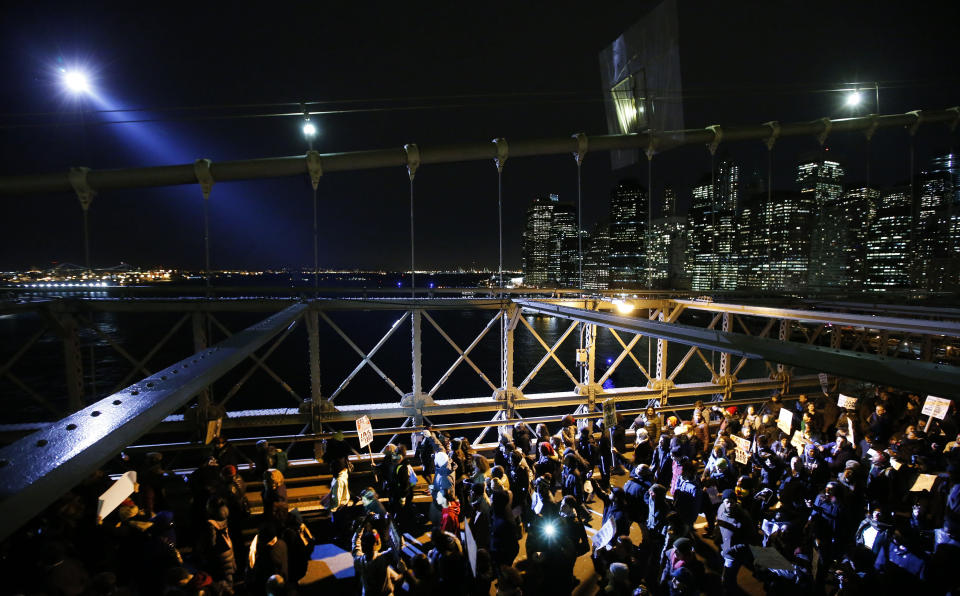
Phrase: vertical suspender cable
(649, 222)
(499, 161)
(413, 270)
(316, 243)
(206, 241)
(579, 153)
(413, 162)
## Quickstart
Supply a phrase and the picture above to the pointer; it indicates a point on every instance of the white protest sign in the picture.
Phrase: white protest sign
(798, 441)
(364, 431)
(846, 402)
(537, 503)
(824, 383)
(924, 482)
(113, 496)
(895, 463)
(785, 420)
(605, 535)
(741, 456)
(935, 407)
(471, 548)
(741, 443)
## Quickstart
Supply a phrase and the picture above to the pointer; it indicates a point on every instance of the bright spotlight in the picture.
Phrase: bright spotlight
(854, 99)
(76, 81)
(549, 530)
(623, 307)
(309, 130)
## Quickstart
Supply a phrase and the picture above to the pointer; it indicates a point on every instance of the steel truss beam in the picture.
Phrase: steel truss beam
(38, 469)
(897, 324)
(921, 377)
(276, 167)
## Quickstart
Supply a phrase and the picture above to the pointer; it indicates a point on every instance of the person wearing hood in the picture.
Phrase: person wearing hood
(636, 487)
(718, 477)
(215, 543)
(426, 451)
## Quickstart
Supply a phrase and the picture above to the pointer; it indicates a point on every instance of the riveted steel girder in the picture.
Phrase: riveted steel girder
(38, 469)
(921, 377)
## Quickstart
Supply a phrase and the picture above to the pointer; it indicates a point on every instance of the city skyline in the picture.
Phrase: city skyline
(371, 84)
(825, 234)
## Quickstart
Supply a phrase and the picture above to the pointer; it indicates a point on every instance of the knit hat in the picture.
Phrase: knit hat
(642, 436)
(683, 545)
(729, 494)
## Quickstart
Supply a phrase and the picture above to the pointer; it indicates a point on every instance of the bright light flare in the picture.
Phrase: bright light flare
(623, 307)
(549, 530)
(76, 81)
(309, 130)
(854, 98)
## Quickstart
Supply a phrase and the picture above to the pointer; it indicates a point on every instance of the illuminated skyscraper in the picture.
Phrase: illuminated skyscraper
(937, 260)
(889, 255)
(538, 242)
(821, 184)
(628, 223)
(774, 240)
(713, 230)
(669, 208)
(667, 253)
(596, 258)
(564, 258)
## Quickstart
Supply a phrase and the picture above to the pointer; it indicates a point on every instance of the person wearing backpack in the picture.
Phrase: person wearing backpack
(404, 478)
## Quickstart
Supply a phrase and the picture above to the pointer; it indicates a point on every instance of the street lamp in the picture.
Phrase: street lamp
(309, 130)
(76, 81)
(854, 98)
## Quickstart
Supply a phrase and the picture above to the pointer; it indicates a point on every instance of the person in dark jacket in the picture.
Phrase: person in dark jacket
(504, 539)
(736, 530)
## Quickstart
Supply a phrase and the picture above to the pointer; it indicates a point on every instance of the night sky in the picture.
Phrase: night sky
(425, 73)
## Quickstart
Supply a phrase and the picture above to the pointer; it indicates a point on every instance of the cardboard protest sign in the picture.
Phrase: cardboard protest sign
(824, 383)
(116, 494)
(846, 402)
(741, 456)
(605, 535)
(785, 420)
(924, 482)
(741, 443)
(471, 548)
(364, 431)
(798, 441)
(609, 413)
(935, 407)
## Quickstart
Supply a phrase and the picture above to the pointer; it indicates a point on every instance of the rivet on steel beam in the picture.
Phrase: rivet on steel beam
(581, 151)
(314, 168)
(717, 137)
(918, 115)
(774, 127)
(78, 180)
(201, 169)
(827, 125)
(413, 159)
(503, 151)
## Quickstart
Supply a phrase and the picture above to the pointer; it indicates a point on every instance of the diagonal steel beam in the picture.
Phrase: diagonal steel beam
(38, 469)
(686, 357)
(261, 360)
(23, 349)
(151, 353)
(925, 377)
(366, 358)
(630, 353)
(33, 394)
(120, 349)
(623, 354)
(550, 353)
(249, 373)
(463, 353)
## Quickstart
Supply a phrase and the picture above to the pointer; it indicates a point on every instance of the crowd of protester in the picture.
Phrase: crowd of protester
(850, 501)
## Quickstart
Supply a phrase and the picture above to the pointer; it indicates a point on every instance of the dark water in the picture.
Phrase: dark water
(106, 370)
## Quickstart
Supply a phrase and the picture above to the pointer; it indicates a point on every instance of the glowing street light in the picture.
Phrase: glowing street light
(76, 81)
(623, 307)
(854, 98)
(309, 130)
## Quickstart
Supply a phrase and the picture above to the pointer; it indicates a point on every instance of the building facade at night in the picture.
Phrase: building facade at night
(596, 258)
(628, 223)
(889, 258)
(538, 242)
